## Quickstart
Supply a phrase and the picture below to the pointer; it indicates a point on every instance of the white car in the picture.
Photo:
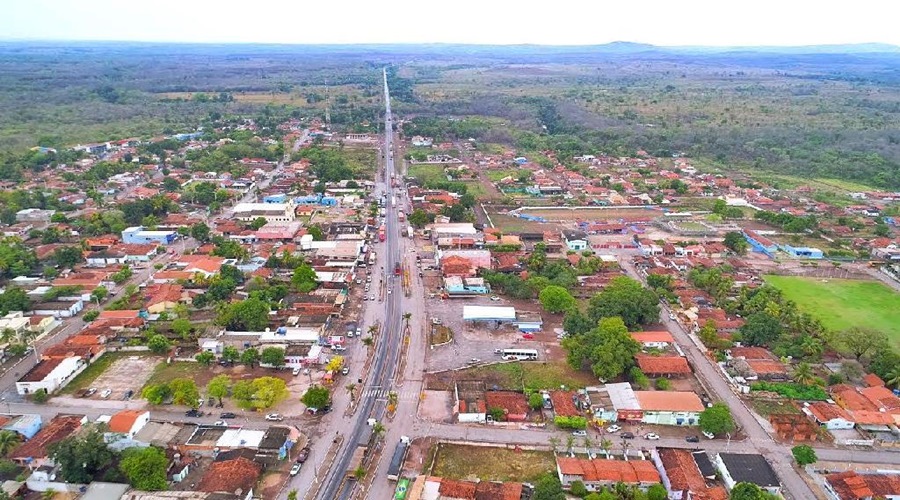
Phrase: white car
(220, 423)
(389, 291)
(579, 433)
(709, 435)
(613, 428)
(495, 298)
(358, 332)
(372, 297)
(105, 394)
(274, 417)
(672, 316)
(295, 469)
(295, 371)
(651, 436)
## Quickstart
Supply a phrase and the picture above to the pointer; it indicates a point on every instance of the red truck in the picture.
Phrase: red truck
(396, 269)
(381, 233)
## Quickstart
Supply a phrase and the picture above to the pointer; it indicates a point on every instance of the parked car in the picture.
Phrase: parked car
(274, 417)
(338, 348)
(106, 393)
(345, 370)
(613, 428)
(303, 455)
(672, 316)
(228, 414)
(295, 371)
(295, 469)
(128, 395)
(652, 436)
(474, 361)
(581, 433)
(528, 336)
(692, 439)
(220, 423)
(90, 392)
(627, 435)
(495, 298)
(193, 413)
(709, 435)
(358, 332)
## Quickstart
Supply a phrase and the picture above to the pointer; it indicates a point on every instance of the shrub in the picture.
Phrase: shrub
(792, 391)
(564, 422)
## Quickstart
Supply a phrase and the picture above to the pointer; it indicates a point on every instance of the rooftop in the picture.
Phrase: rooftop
(852, 486)
(609, 471)
(230, 476)
(56, 430)
(669, 401)
(670, 365)
(750, 468)
(124, 420)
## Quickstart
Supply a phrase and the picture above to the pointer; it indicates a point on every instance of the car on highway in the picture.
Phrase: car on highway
(295, 469)
(692, 439)
(627, 435)
(672, 316)
(652, 436)
(372, 297)
(105, 394)
(613, 428)
(581, 433)
(228, 414)
(303, 455)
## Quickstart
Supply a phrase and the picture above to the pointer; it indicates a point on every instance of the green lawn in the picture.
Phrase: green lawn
(166, 372)
(531, 375)
(427, 173)
(491, 463)
(840, 304)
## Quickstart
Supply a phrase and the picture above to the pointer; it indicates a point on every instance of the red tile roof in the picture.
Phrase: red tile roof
(647, 337)
(824, 412)
(452, 488)
(752, 353)
(230, 476)
(124, 420)
(58, 429)
(609, 471)
(852, 486)
(663, 365)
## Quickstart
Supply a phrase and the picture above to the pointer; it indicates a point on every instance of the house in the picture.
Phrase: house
(663, 366)
(832, 416)
(653, 340)
(15, 321)
(513, 404)
(760, 243)
(747, 468)
(237, 476)
(25, 425)
(50, 374)
(682, 477)
(140, 236)
(163, 297)
(275, 445)
(575, 240)
(34, 452)
(459, 286)
(599, 472)
(651, 407)
(271, 212)
(59, 309)
(128, 422)
(469, 398)
(851, 485)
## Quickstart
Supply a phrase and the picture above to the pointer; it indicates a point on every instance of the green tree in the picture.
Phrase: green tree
(90, 315)
(200, 232)
(803, 374)
(82, 456)
(99, 293)
(608, 349)
(656, 281)
(804, 454)
(230, 354)
(67, 256)
(171, 184)
(657, 492)
(158, 344)
(260, 393)
(709, 335)
(736, 242)
(14, 299)
(40, 396)
(316, 232)
(218, 387)
(761, 329)
(627, 299)
(548, 487)
(750, 491)
(292, 495)
(420, 218)
(156, 394)
(556, 299)
(17, 350)
(185, 392)
(304, 278)
(145, 468)
(316, 397)
(247, 315)
(578, 489)
(717, 419)
(181, 327)
(250, 357)
(575, 322)
(859, 342)
(535, 401)
(205, 358)
(273, 356)
(257, 223)
(8, 441)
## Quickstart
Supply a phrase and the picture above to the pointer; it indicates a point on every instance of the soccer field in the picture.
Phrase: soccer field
(840, 304)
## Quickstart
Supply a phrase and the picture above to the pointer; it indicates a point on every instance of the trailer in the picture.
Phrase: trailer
(397, 459)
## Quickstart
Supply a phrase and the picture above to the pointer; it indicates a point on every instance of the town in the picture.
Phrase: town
(298, 309)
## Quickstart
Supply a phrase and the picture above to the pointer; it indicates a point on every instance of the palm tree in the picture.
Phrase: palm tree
(393, 398)
(351, 388)
(803, 374)
(359, 473)
(587, 443)
(554, 443)
(570, 442)
(292, 495)
(605, 444)
(893, 377)
(378, 430)
(8, 441)
(406, 317)
(368, 341)
(373, 329)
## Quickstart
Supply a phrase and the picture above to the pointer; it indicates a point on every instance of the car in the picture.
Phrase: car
(345, 370)
(193, 413)
(295, 371)
(368, 279)
(358, 332)
(359, 282)
(295, 469)
(274, 417)
(709, 435)
(303, 455)
(128, 395)
(671, 316)
(228, 414)
(220, 423)
(652, 436)
(495, 298)
(435, 321)
(692, 439)
(90, 392)
(474, 361)
(613, 428)
(338, 348)
(627, 435)
(106, 393)
(528, 336)
(581, 433)
(200, 402)
(389, 291)
(372, 297)
(498, 352)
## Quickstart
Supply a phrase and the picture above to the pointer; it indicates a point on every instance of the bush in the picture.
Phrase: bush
(663, 384)
(91, 315)
(791, 390)
(40, 396)
(564, 422)
(804, 454)
(578, 489)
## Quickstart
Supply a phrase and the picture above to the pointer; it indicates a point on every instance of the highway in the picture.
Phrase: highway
(387, 353)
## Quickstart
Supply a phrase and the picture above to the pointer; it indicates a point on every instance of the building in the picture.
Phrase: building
(275, 445)
(600, 472)
(653, 407)
(747, 468)
(271, 212)
(457, 286)
(663, 366)
(575, 240)
(495, 314)
(34, 215)
(803, 252)
(830, 415)
(128, 422)
(15, 321)
(59, 309)
(139, 236)
(25, 425)
(34, 452)
(50, 374)
(237, 477)
(760, 243)
(850, 485)
(653, 340)
(682, 476)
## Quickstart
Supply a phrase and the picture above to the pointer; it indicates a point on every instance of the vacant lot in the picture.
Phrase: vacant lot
(427, 173)
(841, 304)
(490, 463)
(200, 374)
(587, 214)
(517, 376)
(86, 378)
(128, 372)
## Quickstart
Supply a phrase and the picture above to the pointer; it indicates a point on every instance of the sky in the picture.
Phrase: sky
(554, 22)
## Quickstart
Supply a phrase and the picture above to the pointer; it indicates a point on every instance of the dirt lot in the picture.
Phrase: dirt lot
(491, 463)
(127, 373)
(590, 214)
(436, 406)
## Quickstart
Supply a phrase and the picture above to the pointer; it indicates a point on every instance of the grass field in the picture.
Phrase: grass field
(427, 173)
(164, 373)
(491, 464)
(531, 375)
(841, 304)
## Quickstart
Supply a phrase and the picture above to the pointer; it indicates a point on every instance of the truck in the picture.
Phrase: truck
(401, 215)
(409, 231)
(393, 473)
(381, 233)
(393, 201)
(396, 269)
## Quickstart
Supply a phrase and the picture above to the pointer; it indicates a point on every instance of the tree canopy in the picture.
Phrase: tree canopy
(608, 350)
(82, 456)
(717, 419)
(627, 299)
(316, 397)
(556, 299)
(145, 468)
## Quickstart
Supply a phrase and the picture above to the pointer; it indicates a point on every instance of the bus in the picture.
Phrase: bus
(402, 489)
(520, 354)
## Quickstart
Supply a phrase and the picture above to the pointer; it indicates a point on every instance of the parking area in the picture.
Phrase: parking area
(128, 373)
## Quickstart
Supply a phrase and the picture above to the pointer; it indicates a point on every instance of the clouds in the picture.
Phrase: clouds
(565, 22)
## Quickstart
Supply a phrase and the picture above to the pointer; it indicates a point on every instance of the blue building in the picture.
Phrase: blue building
(760, 243)
(27, 425)
(138, 235)
(275, 198)
(803, 252)
(457, 286)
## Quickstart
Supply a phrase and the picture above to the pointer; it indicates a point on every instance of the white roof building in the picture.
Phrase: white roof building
(489, 313)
